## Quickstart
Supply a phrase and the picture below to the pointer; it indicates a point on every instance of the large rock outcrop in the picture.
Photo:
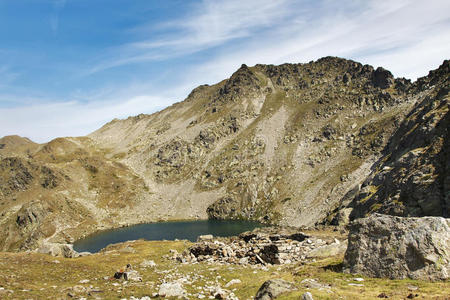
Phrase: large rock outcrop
(398, 247)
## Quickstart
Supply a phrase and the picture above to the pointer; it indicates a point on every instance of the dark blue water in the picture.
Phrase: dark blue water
(189, 230)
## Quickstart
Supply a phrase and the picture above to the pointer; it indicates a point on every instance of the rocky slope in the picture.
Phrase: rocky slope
(413, 177)
(281, 144)
(48, 191)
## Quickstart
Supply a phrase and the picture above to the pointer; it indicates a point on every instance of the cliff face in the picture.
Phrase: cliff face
(412, 178)
(284, 144)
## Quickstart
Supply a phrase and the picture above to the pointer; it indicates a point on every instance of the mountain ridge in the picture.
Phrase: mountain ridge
(293, 144)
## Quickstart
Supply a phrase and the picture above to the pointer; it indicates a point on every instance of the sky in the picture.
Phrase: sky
(69, 66)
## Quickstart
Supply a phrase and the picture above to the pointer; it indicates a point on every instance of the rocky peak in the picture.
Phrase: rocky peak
(197, 92)
(440, 73)
(434, 77)
(242, 82)
(382, 78)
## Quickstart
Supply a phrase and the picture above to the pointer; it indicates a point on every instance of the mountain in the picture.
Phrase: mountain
(294, 144)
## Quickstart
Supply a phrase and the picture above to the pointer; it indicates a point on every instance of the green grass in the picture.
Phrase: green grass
(42, 278)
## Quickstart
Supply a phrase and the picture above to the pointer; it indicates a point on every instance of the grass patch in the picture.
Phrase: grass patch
(37, 276)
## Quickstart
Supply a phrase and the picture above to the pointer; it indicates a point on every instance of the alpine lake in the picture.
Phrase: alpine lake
(186, 230)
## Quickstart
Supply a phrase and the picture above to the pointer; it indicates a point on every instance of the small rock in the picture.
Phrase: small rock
(233, 281)
(273, 288)
(148, 264)
(78, 289)
(127, 249)
(355, 284)
(383, 295)
(243, 261)
(358, 279)
(220, 293)
(171, 289)
(313, 284)
(133, 276)
(84, 281)
(82, 254)
(307, 296)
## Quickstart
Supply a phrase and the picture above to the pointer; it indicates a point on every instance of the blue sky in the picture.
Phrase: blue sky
(69, 66)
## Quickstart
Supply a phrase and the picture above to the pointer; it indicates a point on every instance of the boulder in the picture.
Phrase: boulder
(399, 247)
(55, 249)
(271, 289)
(206, 237)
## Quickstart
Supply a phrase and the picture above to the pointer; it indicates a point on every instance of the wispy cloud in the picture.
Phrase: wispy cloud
(265, 31)
(216, 22)
(407, 37)
(58, 5)
(210, 24)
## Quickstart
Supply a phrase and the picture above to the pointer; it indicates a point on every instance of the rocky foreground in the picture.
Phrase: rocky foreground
(264, 264)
